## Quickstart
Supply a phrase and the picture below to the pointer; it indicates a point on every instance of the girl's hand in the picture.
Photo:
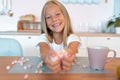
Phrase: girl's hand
(53, 62)
(67, 60)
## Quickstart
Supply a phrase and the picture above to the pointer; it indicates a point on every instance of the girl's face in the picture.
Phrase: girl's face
(54, 18)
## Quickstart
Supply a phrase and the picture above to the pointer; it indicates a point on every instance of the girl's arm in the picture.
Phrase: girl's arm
(44, 49)
(73, 47)
(45, 53)
(67, 60)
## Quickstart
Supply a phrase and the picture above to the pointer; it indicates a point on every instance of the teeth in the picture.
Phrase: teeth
(56, 25)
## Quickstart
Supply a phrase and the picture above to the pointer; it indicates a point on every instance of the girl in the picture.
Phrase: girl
(57, 34)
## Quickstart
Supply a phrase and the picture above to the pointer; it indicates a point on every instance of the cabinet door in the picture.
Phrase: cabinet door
(82, 48)
(29, 44)
(111, 42)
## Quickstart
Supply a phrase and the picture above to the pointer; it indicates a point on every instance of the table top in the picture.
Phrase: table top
(4, 75)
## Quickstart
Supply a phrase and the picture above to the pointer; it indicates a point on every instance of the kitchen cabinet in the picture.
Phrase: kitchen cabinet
(99, 39)
(82, 51)
(28, 43)
(83, 41)
(111, 42)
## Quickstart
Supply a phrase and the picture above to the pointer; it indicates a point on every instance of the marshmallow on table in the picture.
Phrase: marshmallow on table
(7, 67)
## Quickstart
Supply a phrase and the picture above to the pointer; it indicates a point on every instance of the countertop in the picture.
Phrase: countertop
(91, 34)
(20, 32)
(97, 34)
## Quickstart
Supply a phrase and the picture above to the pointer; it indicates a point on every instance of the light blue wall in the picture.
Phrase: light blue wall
(117, 8)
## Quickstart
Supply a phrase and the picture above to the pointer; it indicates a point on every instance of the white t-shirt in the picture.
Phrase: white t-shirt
(54, 46)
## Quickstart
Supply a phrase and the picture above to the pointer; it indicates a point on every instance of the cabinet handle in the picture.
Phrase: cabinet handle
(108, 38)
(29, 37)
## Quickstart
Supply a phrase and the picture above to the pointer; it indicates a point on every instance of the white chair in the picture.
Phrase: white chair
(10, 47)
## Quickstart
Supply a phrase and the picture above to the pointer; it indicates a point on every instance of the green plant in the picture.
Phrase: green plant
(116, 23)
(110, 23)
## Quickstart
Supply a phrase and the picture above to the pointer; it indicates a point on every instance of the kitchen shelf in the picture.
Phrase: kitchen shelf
(28, 26)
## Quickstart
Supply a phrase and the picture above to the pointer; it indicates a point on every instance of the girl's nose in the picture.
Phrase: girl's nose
(54, 18)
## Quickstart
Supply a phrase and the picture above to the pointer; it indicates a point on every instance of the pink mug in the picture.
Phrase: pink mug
(98, 56)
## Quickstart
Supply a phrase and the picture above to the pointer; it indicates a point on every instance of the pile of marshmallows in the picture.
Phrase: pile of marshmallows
(59, 54)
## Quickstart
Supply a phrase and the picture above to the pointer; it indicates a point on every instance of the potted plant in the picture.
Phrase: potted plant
(114, 25)
(111, 26)
(117, 25)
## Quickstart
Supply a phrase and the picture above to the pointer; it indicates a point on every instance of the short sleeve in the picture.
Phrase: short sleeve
(42, 38)
(71, 38)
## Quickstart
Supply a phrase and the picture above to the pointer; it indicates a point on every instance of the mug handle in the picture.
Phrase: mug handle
(114, 52)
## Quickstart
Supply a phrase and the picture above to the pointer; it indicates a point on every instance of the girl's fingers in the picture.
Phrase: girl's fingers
(54, 66)
(66, 68)
(67, 62)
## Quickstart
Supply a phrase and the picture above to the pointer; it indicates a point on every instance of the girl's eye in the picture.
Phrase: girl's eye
(48, 17)
(58, 14)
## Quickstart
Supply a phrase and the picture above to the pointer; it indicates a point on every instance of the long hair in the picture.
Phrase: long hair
(67, 29)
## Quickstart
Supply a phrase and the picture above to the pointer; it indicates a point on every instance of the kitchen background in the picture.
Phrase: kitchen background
(86, 15)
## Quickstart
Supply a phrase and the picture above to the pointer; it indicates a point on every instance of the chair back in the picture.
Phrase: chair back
(10, 47)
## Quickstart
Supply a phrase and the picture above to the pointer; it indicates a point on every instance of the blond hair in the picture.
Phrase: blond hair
(67, 29)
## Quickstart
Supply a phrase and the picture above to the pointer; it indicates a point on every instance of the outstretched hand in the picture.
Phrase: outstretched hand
(67, 60)
(53, 62)
(59, 60)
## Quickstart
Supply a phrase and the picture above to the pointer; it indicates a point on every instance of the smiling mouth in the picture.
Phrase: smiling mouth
(56, 25)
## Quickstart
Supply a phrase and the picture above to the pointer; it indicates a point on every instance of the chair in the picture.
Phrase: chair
(10, 47)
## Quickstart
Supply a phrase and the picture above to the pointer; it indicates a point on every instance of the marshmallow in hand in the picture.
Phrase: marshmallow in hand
(54, 58)
(61, 53)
